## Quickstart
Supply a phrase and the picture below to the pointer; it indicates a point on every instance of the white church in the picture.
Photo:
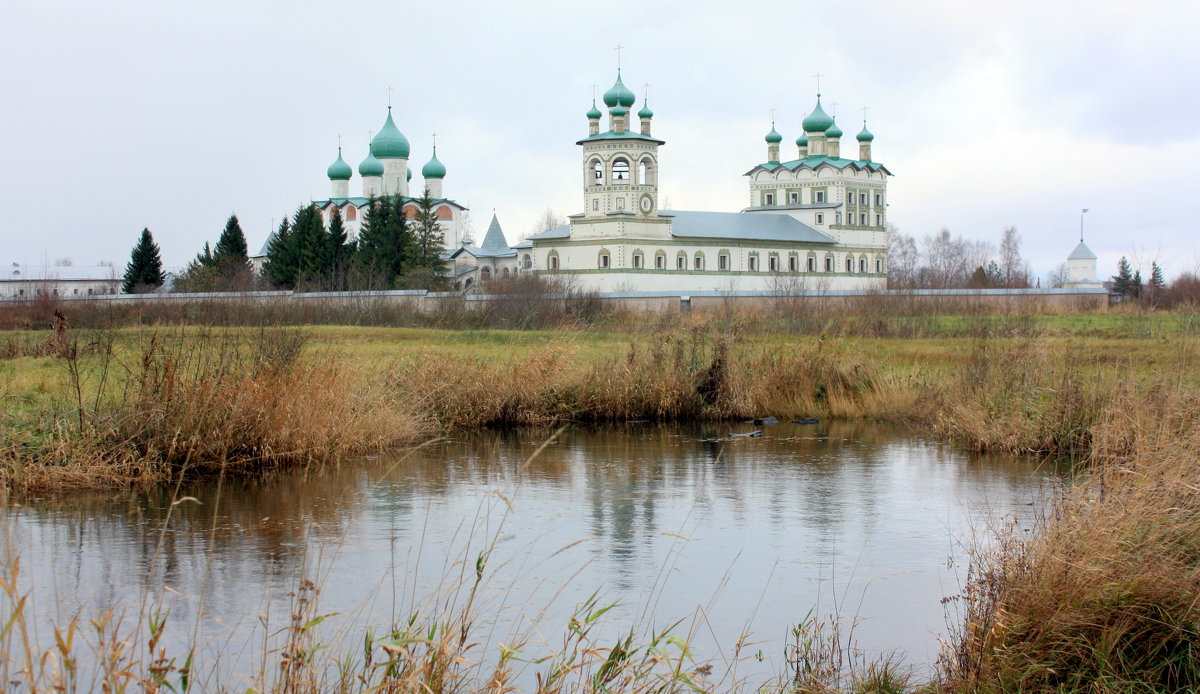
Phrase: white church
(817, 221)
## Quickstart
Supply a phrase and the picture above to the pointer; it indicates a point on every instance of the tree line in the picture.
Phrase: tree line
(944, 261)
(392, 251)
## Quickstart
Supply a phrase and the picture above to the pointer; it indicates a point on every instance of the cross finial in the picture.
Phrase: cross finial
(834, 109)
(594, 86)
(435, 145)
(370, 136)
(389, 93)
(772, 118)
(646, 91)
(339, 142)
(618, 50)
(865, 116)
(818, 77)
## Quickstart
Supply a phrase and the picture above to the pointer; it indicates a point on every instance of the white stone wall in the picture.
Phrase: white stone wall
(26, 288)
(1081, 271)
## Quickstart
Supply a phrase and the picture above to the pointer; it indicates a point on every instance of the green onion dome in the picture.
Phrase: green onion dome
(339, 170)
(865, 135)
(390, 143)
(645, 112)
(594, 113)
(619, 112)
(818, 121)
(407, 174)
(433, 168)
(773, 137)
(370, 166)
(802, 141)
(619, 94)
(834, 132)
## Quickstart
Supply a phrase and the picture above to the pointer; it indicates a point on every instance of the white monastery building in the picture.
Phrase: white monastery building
(817, 221)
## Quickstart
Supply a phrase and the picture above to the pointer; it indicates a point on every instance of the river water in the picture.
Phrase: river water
(736, 536)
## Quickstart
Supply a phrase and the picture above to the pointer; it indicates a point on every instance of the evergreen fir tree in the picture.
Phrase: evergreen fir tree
(383, 244)
(231, 257)
(340, 250)
(1135, 287)
(282, 260)
(426, 237)
(144, 271)
(312, 247)
(1157, 282)
(1123, 280)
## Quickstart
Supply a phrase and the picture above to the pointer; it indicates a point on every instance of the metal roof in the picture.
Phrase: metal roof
(16, 272)
(816, 161)
(1082, 252)
(622, 135)
(725, 225)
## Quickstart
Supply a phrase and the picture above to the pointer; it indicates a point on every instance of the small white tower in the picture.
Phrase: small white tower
(371, 170)
(1081, 264)
(620, 167)
(864, 137)
(433, 172)
(773, 139)
(339, 173)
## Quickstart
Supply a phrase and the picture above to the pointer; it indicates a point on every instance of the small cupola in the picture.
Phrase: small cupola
(773, 139)
(339, 170)
(390, 143)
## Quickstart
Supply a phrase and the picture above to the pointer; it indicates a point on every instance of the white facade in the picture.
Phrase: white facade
(27, 281)
(815, 223)
(1081, 268)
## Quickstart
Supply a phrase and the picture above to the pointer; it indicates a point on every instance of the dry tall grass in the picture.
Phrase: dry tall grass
(194, 403)
(1104, 597)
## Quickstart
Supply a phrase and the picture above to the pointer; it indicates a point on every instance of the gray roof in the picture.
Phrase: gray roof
(61, 273)
(736, 225)
(1082, 252)
(559, 232)
(725, 225)
(494, 244)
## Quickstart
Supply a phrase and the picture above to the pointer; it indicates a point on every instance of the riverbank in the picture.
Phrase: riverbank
(137, 406)
(1100, 598)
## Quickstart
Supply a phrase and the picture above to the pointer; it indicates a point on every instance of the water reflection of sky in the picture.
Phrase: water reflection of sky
(852, 517)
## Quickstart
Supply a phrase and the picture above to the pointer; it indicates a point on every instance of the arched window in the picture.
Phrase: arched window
(773, 263)
(597, 173)
(552, 261)
(862, 265)
(698, 263)
(660, 261)
(641, 179)
(468, 284)
(812, 264)
(681, 261)
(637, 259)
(849, 264)
(485, 274)
(505, 272)
(351, 212)
(526, 262)
(620, 170)
(603, 261)
(646, 172)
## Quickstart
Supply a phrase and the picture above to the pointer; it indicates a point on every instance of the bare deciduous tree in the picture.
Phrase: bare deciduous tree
(547, 221)
(903, 259)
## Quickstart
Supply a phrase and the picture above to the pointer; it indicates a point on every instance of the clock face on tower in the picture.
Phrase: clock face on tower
(647, 204)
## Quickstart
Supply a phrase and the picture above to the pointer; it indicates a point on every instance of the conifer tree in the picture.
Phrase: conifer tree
(312, 246)
(282, 260)
(383, 243)
(144, 271)
(1157, 282)
(231, 257)
(426, 237)
(1123, 280)
(340, 250)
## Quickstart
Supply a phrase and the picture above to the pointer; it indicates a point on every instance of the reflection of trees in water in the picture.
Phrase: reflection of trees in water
(812, 480)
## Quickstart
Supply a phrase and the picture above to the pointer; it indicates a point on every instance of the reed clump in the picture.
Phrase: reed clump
(1103, 597)
(197, 403)
(686, 375)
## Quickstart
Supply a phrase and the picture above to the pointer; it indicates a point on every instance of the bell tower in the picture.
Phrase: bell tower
(620, 165)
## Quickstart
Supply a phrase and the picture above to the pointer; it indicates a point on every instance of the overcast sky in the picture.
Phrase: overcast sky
(123, 115)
